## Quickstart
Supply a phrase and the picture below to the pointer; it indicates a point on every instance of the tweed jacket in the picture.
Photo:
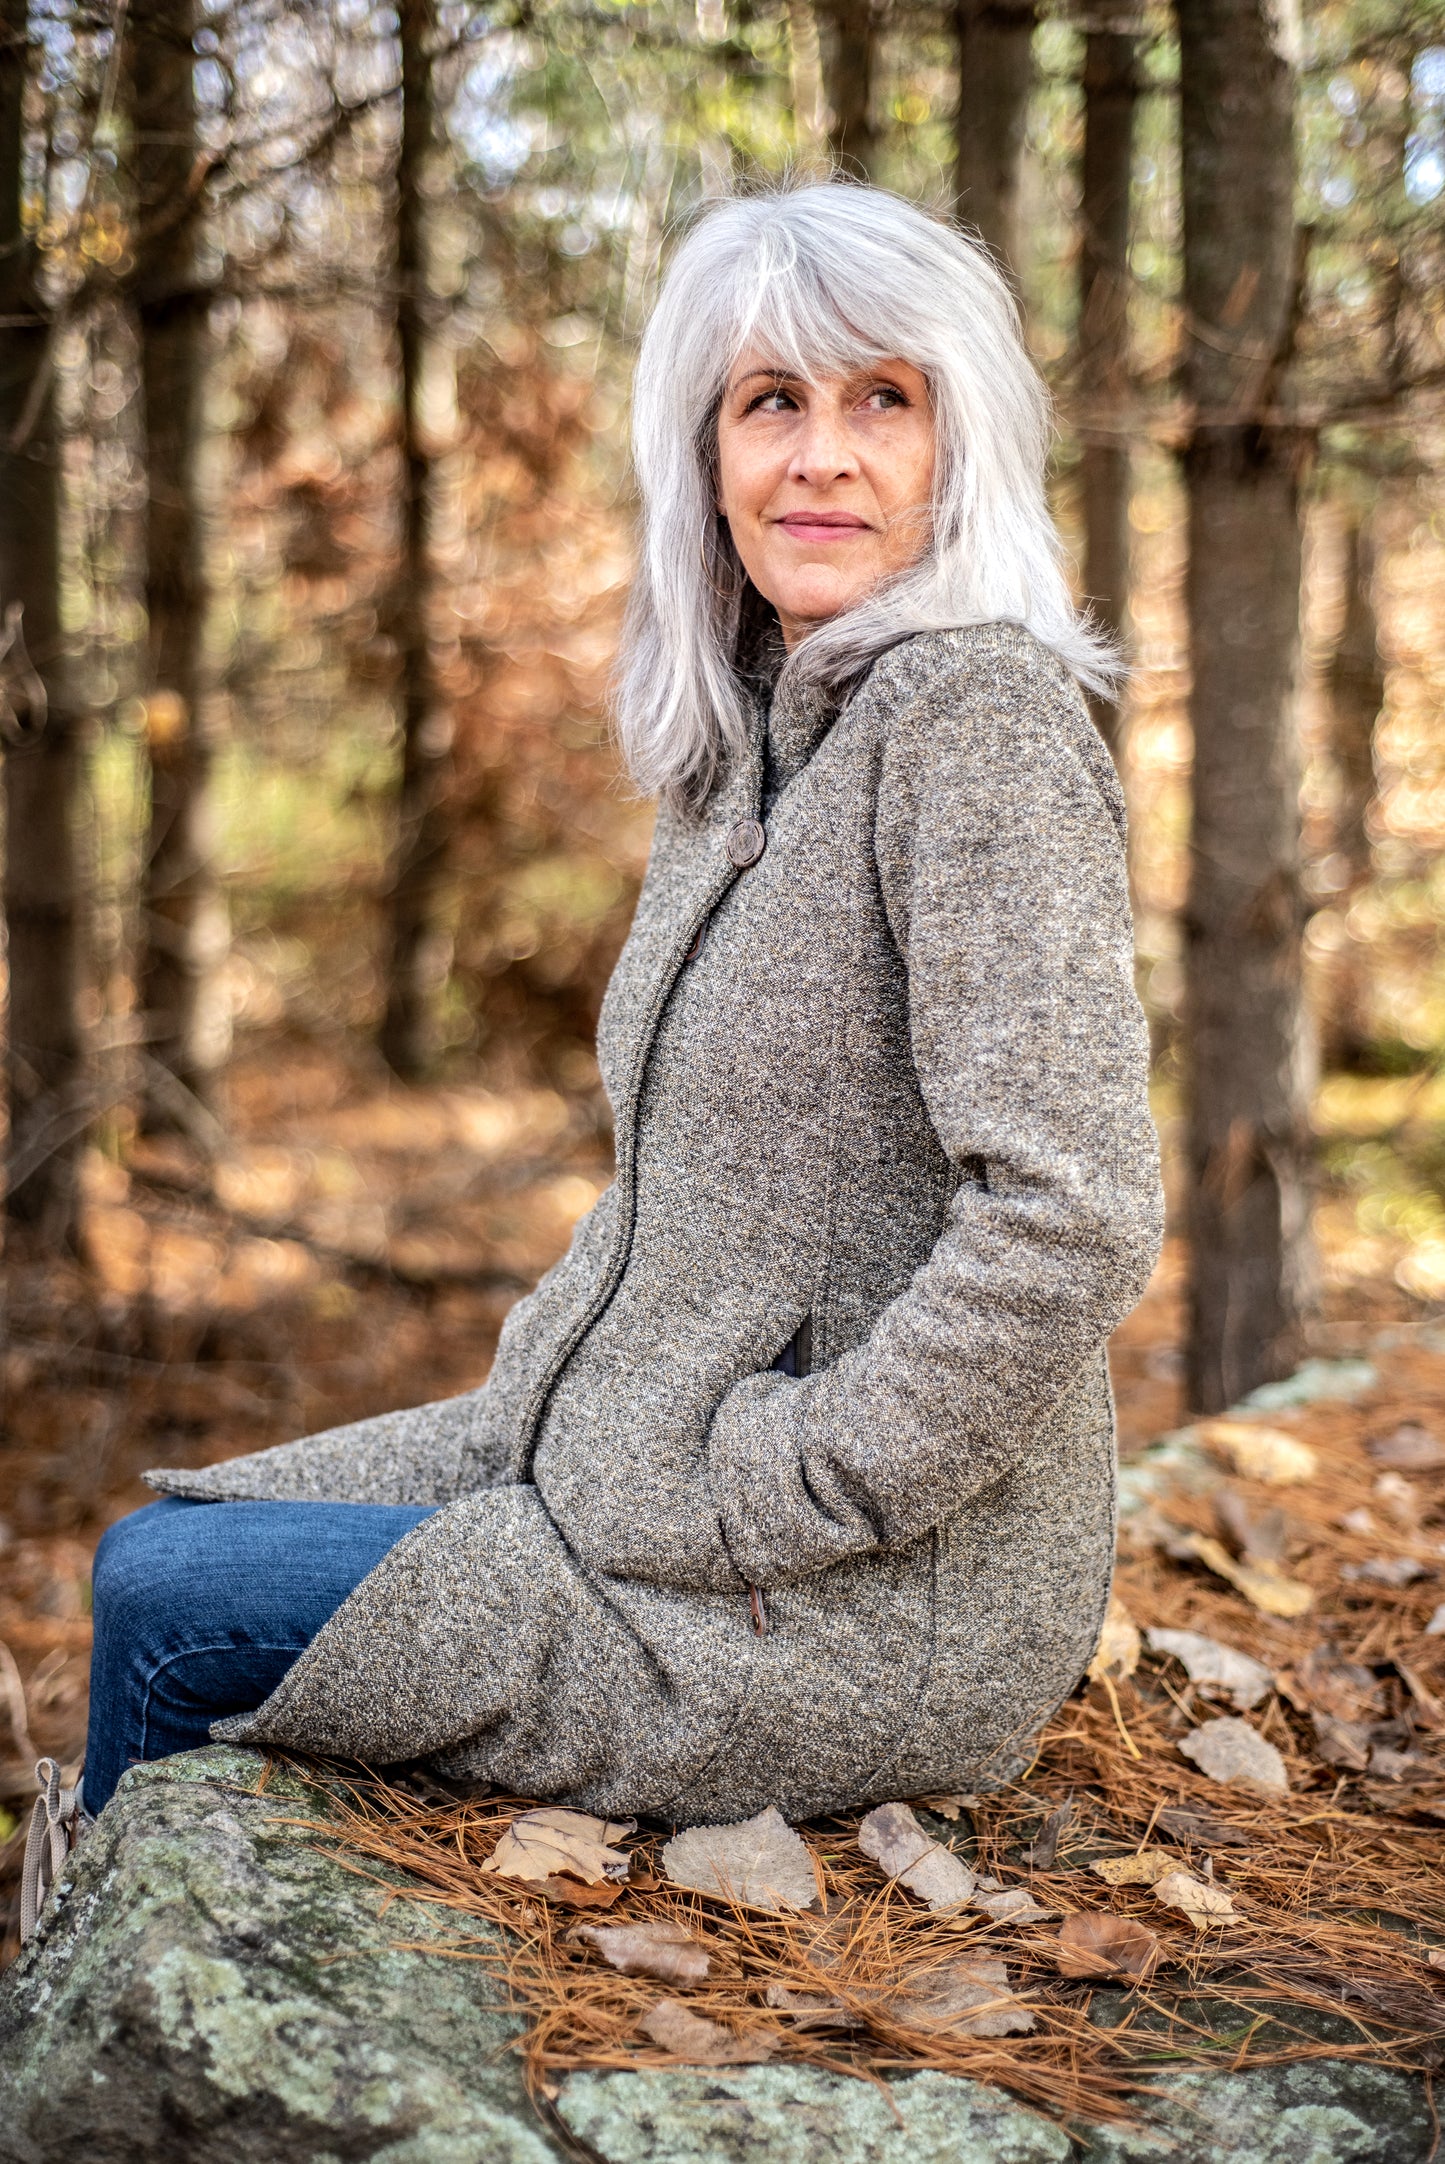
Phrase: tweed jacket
(878, 1073)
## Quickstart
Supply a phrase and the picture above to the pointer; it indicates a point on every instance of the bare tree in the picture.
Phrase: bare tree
(1245, 1036)
(1110, 95)
(849, 50)
(1356, 690)
(415, 968)
(184, 933)
(45, 1060)
(995, 75)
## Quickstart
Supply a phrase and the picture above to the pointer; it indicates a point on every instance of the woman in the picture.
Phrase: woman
(793, 1480)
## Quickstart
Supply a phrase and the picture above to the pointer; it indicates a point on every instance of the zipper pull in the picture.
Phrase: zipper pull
(758, 1612)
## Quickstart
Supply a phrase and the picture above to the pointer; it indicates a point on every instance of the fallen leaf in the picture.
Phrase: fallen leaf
(1201, 1829)
(950, 1806)
(1329, 1684)
(1436, 1957)
(896, 1842)
(1214, 1666)
(1432, 1713)
(1230, 1750)
(667, 1951)
(1258, 1539)
(1395, 1571)
(1360, 1523)
(1402, 1502)
(760, 1864)
(1118, 1648)
(1201, 1900)
(1015, 1905)
(571, 1893)
(555, 1843)
(811, 2009)
(704, 2043)
(1409, 1448)
(1045, 1846)
(1141, 1869)
(1341, 1743)
(1099, 1944)
(1387, 1765)
(971, 1994)
(1435, 1628)
(1268, 1589)
(1259, 1453)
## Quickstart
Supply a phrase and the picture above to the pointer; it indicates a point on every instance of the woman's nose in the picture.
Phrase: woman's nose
(824, 450)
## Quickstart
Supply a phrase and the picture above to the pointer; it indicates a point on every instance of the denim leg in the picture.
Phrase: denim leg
(200, 1609)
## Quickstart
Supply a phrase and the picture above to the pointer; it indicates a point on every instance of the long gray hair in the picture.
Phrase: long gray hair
(826, 278)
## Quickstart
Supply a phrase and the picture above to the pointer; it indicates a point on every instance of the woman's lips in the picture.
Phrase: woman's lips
(822, 525)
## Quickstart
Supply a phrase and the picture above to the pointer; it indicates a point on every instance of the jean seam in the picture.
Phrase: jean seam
(224, 1645)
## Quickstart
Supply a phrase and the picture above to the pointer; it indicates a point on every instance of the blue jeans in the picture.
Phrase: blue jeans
(200, 1609)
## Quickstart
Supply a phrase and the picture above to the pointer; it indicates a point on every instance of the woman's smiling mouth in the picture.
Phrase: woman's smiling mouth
(823, 525)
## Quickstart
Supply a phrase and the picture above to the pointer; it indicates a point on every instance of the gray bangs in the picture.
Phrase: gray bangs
(821, 279)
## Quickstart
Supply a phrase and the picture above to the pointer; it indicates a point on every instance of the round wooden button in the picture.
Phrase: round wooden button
(746, 842)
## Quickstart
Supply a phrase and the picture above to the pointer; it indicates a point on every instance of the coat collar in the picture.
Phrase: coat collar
(800, 718)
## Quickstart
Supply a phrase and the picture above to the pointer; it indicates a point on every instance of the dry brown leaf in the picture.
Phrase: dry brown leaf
(1260, 1453)
(1099, 1944)
(1214, 1666)
(1141, 1869)
(571, 1893)
(1341, 1743)
(811, 2009)
(1395, 1571)
(1118, 1649)
(971, 1994)
(1201, 1900)
(667, 1951)
(1014, 1905)
(1346, 1689)
(1409, 1449)
(701, 2042)
(896, 1842)
(1258, 1539)
(1266, 1588)
(950, 1806)
(1045, 1848)
(760, 1864)
(1201, 1829)
(1229, 1750)
(555, 1843)
(1401, 1500)
(1436, 1957)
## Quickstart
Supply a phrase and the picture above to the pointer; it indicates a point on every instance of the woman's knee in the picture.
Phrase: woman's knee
(136, 1565)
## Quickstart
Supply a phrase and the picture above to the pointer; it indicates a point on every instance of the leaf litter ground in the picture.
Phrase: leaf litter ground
(1335, 1946)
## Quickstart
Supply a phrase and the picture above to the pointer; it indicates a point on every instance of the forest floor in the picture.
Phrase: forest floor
(357, 1248)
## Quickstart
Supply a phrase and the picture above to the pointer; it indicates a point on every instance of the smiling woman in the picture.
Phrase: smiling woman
(793, 1482)
(826, 485)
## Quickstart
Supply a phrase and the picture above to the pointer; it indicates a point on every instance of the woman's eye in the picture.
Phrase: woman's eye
(775, 401)
(886, 395)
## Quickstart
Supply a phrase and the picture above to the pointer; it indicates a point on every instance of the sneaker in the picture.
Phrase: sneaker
(56, 1824)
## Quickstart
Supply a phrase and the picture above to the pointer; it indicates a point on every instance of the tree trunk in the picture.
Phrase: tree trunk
(849, 44)
(419, 949)
(184, 932)
(1110, 94)
(1246, 1045)
(46, 1081)
(1356, 689)
(995, 75)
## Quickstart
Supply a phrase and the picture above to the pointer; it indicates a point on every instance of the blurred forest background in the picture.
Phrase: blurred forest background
(316, 324)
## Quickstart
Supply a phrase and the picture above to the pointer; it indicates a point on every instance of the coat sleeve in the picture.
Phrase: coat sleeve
(999, 842)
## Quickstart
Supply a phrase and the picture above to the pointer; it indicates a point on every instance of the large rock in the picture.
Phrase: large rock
(214, 1988)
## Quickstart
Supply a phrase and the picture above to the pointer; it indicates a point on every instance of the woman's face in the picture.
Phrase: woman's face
(826, 485)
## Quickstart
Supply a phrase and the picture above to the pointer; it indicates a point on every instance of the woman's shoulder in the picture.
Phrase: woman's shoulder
(989, 697)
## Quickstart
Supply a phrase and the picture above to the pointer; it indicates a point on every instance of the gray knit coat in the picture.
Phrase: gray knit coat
(878, 1073)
